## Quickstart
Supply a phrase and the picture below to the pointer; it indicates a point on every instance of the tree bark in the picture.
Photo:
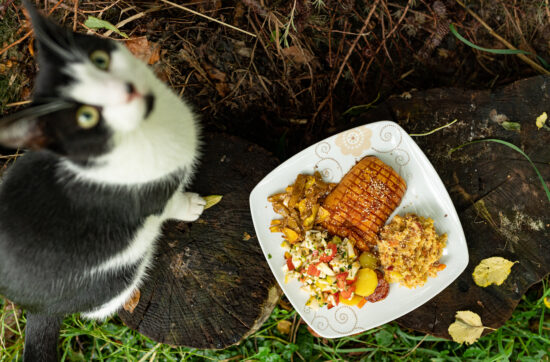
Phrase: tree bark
(500, 200)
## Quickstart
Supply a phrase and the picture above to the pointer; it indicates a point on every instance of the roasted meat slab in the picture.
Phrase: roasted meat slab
(362, 202)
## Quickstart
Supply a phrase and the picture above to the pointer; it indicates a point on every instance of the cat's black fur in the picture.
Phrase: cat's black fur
(36, 205)
(54, 226)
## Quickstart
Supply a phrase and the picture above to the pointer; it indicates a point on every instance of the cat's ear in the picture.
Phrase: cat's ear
(24, 130)
(51, 37)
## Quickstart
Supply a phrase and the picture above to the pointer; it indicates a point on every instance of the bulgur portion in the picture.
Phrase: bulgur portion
(409, 250)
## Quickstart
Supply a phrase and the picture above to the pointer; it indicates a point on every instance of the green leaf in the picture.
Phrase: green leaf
(357, 110)
(288, 351)
(384, 338)
(433, 130)
(95, 23)
(511, 126)
(473, 352)
(515, 148)
(263, 352)
(304, 340)
(494, 51)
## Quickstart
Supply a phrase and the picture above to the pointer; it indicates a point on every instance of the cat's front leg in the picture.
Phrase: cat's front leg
(185, 206)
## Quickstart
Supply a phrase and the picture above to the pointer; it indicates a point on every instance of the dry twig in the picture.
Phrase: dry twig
(350, 51)
(208, 17)
(5, 49)
(132, 18)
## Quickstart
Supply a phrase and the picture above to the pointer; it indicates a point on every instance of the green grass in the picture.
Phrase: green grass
(525, 337)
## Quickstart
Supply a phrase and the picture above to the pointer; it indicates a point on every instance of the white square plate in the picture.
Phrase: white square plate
(426, 196)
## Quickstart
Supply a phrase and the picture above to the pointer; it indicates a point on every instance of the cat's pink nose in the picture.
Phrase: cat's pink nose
(132, 92)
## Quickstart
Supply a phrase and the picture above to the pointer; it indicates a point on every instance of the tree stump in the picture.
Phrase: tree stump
(500, 201)
(210, 285)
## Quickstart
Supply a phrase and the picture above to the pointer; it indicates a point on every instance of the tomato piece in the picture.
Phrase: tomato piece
(341, 284)
(337, 298)
(329, 253)
(351, 281)
(343, 275)
(313, 271)
(341, 280)
(289, 264)
(333, 300)
(346, 293)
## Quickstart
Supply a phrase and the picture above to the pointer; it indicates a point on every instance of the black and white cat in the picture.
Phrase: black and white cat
(111, 149)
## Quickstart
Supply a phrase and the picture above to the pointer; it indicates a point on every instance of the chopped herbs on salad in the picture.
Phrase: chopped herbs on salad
(328, 270)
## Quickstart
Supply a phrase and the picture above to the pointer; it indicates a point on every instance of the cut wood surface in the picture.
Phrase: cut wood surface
(210, 285)
(500, 201)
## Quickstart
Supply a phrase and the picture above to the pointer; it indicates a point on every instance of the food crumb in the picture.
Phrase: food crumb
(246, 236)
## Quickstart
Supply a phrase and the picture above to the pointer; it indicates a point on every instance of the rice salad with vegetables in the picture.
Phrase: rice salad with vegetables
(326, 267)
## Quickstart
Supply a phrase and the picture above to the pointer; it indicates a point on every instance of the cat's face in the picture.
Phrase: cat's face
(92, 89)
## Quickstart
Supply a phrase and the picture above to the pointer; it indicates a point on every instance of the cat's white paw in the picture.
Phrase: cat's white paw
(185, 206)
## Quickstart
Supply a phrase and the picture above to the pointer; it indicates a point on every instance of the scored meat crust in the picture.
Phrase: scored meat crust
(362, 202)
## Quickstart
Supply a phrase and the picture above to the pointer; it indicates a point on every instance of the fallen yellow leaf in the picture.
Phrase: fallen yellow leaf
(211, 200)
(541, 120)
(492, 270)
(467, 327)
(284, 326)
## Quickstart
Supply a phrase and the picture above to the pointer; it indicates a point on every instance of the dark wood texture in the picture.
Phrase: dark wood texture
(501, 203)
(210, 285)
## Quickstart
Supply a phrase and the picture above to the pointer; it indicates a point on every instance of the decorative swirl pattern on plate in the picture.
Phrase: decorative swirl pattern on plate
(403, 158)
(322, 148)
(329, 168)
(388, 133)
(321, 322)
(344, 321)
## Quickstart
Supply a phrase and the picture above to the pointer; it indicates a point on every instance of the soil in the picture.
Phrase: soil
(284, 74)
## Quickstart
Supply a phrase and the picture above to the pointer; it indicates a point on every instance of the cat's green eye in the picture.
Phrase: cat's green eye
(100, 59)
(87, 117)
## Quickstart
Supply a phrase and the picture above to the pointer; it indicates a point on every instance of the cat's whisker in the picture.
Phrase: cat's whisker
(35, 111)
